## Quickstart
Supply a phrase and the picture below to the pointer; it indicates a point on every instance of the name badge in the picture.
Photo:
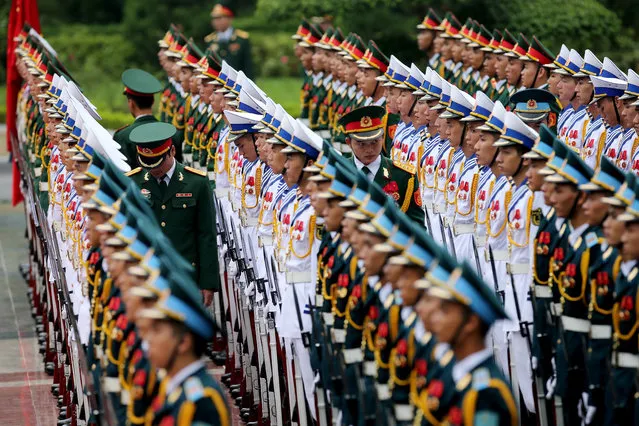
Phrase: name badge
(184, 194)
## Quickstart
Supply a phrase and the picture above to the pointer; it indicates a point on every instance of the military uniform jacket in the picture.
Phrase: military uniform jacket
(187, 216)
(497, 222)
(485, 184)
(577, 127)
(485, 396)
(614, 135)
(427, 170)
(403, 187)
(128, 148)
(236, 50)
(562, 121)
(627, 149)
(435, 387)
(198, 398)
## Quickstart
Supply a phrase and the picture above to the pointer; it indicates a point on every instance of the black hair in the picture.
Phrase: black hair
(143, 102)
(199, 343)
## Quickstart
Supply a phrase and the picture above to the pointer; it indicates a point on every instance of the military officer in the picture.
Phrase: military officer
(181, 200)
(231, 44)
(139, 88)
(365, 129)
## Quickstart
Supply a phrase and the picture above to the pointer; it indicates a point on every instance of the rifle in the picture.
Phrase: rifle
(276, 281)
(322, 407)
(428, 224)
(269, 277)
(452, 242)
(441, 229)
(476, 254)
(494, 271)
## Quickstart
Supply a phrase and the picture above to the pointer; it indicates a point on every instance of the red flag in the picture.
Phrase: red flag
(21, 11)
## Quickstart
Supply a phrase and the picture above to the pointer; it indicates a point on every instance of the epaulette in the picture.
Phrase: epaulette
(193, 389)
(242, 34)
(194, 171)
(481, 378)
(211, 38)
(121, 128)
(134, 171)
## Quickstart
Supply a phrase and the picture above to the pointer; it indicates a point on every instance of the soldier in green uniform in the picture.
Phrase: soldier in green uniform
(466, 312)
(426, 34)
(364, 127)
(536, 107)
(231, 44)
(139, 88)
(535, 73)
(181, 200)
(177, 338)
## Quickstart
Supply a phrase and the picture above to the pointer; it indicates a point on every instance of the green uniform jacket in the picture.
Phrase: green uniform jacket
(403, 187)
(127, 147)
(236, 51)
(199, 398)
(187, 217)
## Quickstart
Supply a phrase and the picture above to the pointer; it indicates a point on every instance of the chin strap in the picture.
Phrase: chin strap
(536, 73)
(614, 104)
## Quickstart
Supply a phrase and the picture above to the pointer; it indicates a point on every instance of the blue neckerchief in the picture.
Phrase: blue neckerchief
(485, 173)
(470, 164)
(564, 115)
(499, 185)
(613, 134)
(304, 203)
(429, 145)
(267, 177)
(286, 200)
(247, 166)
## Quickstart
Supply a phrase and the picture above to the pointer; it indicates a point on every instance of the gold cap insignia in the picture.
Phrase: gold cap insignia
(532, 104)
(366, 121)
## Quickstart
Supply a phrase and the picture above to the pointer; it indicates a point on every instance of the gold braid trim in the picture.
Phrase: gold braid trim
(409, 194)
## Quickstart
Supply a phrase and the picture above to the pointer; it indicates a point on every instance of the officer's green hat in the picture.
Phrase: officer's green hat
(152, 142)
(533, 105)
(537, 52)
(138, 82)
(430, 22)
(314, 35)
(328, 171)
(542, 150)
(355, 50)
(374, 201)
(608, 177)
(493, 44)
(464, 31)
(336, 40)
(223, 8)
(384, 221)
(420, 251)
(374, 58)
(465, 287)
(325, 40)
(302, 30)
(191, 55)
(507, 42)
(574, 171)
(520, 49)
(482, 38)
(625, 194)
(398, 240)
(210, 66)
(183, 303)
(356, 196)
(365, 123)
(451, 25)
(556, 159)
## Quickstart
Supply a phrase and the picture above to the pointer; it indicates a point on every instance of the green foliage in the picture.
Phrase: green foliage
(273, 54)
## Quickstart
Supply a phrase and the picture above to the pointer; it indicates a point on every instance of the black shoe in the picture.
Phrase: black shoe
(64, 421)
(238, 401)
(219, 358)
(63, 414)
(49, 368)
(226, 378)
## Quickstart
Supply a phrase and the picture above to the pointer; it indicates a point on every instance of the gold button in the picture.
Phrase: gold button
(163, 207)
(192, 263)
(163, 224)
(183, 206)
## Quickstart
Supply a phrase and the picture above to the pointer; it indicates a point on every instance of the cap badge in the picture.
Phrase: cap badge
(366, 122)
(146, 151)
(532, 104)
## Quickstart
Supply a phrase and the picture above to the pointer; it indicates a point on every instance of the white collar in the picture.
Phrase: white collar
(576, 233)
(225, 35)
(143, 115)
(373, 280)
(373, 167)
(169, 174)
(627, 266)
(182, 375)
(468, 364)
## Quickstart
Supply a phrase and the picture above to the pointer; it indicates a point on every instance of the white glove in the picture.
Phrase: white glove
(551, 383)
(535, 364)
(586, 410)
(581, 406)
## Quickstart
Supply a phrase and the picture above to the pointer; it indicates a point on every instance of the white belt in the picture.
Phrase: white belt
(440, 209)
(250, 221)
(37, 171)
(298, 277)
(404, 412)
(543, 292)
(498, 255)
(221, 192)
(382, 392)
(265, 240)
(328, 318)
(577, 325)
(464, 228)
(370, 368)
(324, 134)
(339, 335)
(556, 309)
(346, 148)
(352, 356)
(44, 186)
(319, 300)
(625, 360)
(480, 240)
(111, 384)
(518, 268)
(211, 176)
(124, 397)
(600, 331)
